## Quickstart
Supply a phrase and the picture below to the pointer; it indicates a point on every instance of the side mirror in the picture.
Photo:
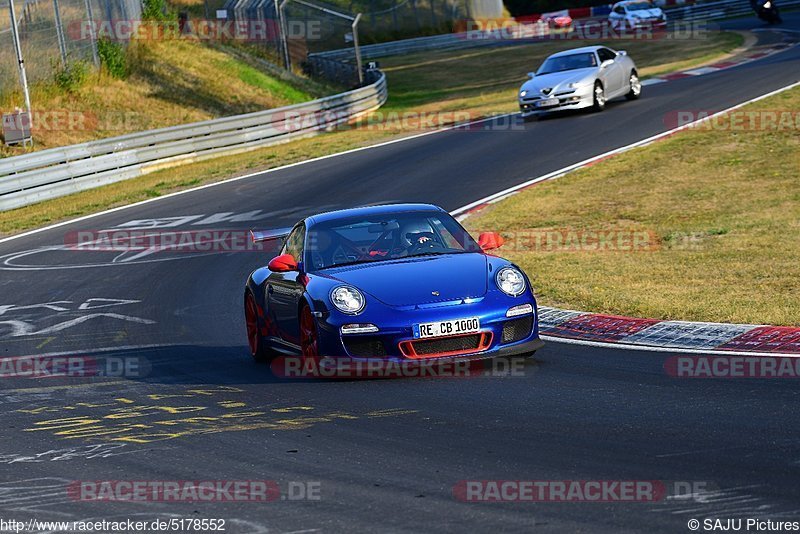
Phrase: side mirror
(622, 53)
(283, 264)
(606, 63)
(490, 240)
(531, 75)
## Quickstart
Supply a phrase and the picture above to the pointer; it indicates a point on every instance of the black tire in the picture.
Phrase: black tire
(635, 86)
(258, 350)
(598, 97)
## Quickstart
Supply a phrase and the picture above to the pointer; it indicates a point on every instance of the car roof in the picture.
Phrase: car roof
(368, 211)
(584, 49)
(626, 2)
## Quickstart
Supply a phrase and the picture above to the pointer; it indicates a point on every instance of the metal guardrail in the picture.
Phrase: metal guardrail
(57, 172)
(717, 10)
(447, 41)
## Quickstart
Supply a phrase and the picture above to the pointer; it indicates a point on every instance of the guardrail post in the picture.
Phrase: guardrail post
(23, 77)
(358, 50)
(287, 62)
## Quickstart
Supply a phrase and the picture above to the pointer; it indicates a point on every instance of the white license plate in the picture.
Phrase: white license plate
(546, 102)
(455, 327)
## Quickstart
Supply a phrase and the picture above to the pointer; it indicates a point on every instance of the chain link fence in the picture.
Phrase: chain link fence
(55, 34)
(312, 27)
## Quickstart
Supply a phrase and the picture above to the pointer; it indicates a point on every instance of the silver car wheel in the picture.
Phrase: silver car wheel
(599, 95)
(636, 85)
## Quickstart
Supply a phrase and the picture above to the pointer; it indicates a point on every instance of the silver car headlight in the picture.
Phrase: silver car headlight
(576, 85)
(510, 281)
(348, 299)
(523, 93)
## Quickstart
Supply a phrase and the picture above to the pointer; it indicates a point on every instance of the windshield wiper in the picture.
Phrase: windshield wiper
(356, 262)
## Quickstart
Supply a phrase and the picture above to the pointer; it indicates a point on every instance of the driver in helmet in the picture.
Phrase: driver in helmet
(416, 233)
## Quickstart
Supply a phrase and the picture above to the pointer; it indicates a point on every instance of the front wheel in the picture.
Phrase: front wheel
(599, 97)
(309, 340)
(635, 87)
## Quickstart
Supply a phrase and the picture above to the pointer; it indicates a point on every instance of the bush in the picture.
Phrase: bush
(113, 58)
(154, 10)
(72, 77)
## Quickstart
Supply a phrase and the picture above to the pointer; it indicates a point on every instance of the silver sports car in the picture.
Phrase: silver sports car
(579, 78)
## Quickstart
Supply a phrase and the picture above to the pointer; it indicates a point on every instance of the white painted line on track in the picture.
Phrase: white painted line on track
(674, 350)
(653, 81)
(252, 174)
(643, 142)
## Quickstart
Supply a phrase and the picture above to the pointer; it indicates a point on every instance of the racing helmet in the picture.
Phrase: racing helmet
(413, 230)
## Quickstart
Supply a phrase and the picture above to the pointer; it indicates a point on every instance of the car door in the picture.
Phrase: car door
(612, 74)
(284, 290)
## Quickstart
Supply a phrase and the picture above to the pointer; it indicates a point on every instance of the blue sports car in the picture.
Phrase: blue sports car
(398, 282)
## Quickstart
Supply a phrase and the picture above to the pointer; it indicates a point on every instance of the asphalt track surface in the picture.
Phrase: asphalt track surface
(388, 453)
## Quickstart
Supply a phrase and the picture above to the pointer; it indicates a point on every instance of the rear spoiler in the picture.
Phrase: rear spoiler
(265, 235)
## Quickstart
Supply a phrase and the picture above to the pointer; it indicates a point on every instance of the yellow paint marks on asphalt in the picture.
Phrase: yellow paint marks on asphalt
(231, 404)
(45, 342)
(187, 412)
(292, 409)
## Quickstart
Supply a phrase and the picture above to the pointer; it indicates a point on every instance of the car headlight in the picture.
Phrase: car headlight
(348, 299)
(574, 85)
(511, 281)
(523, 93)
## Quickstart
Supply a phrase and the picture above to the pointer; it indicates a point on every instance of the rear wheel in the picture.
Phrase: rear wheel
(255, 342)
(599, 97)
(635, 85)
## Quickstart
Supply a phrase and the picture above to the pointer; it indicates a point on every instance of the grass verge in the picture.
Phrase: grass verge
(170, 82)
(722, 202)
(464, 80)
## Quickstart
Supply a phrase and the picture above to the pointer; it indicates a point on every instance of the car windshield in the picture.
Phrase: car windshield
(568, 62)
(639, 6)
(385, 237)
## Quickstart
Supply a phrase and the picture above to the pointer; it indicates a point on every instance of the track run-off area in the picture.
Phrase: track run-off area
(349, 455)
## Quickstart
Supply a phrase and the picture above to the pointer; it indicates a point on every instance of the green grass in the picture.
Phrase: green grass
(722, 203)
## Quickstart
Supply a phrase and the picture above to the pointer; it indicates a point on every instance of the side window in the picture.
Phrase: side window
(605, 54)
(294, 243)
